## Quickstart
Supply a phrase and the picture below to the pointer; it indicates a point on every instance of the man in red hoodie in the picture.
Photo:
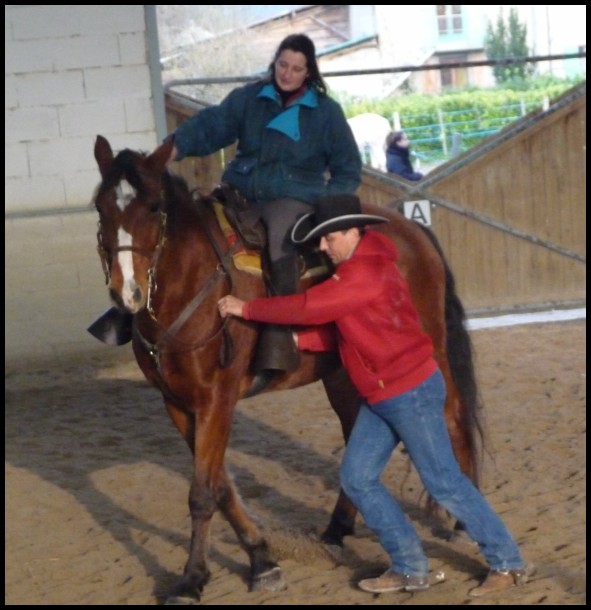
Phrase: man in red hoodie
(366, 305)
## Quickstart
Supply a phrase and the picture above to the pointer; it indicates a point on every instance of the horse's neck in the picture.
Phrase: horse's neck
(192, 246)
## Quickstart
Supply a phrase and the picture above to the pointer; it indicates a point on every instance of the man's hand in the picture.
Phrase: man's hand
(230, 306)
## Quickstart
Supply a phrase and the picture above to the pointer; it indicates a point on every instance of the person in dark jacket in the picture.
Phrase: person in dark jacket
(294, 147)
(398, 156)
(366, 306)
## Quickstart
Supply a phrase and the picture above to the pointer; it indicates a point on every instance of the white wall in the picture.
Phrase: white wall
(71, 72)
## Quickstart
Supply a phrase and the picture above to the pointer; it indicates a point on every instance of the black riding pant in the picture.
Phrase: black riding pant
(279, 217)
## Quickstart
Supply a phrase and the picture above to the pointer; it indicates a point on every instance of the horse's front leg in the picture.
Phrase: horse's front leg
(211, 429)
(212, 489)
(196, 574)
(265, 573)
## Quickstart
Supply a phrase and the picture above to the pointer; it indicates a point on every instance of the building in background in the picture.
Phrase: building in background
(74, 71)
(361, 37)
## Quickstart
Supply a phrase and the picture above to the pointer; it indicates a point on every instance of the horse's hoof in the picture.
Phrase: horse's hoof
(271, 580)
(335, 551)
(335, 533)
(333, 541)
(183, 596)
(181, 600)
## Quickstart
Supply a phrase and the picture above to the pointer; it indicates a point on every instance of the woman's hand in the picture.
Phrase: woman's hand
(230, 306)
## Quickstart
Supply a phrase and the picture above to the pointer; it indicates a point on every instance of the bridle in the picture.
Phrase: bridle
(222, 270)
(107, 255)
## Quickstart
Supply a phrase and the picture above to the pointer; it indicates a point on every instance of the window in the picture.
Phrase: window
(449, 19)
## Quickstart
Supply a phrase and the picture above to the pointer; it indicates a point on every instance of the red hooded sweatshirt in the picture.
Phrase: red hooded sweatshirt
(378, 332)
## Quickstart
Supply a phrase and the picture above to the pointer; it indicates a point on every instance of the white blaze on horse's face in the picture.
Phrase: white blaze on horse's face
(125, 194)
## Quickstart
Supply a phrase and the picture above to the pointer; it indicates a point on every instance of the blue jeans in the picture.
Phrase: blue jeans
(416, 419)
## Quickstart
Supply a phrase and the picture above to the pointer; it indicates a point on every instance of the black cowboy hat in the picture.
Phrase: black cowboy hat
(332, 213)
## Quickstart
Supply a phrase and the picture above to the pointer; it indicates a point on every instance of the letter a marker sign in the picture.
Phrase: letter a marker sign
(419, 211)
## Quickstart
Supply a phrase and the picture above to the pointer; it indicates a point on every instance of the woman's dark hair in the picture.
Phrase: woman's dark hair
(394, 137)
(300, 43)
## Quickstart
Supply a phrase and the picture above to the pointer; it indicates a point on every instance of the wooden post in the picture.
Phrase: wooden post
(442, 131)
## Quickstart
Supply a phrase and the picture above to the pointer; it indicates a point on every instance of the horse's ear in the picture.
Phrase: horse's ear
(157, 161)
(103, 153)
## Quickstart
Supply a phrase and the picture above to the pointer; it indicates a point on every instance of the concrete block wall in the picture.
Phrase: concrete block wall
(54, 288)
(71, 72)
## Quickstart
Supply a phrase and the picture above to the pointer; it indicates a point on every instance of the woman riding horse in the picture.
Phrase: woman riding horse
(290, 135)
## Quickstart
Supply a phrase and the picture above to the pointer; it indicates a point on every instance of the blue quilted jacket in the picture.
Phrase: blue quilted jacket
(304, 151)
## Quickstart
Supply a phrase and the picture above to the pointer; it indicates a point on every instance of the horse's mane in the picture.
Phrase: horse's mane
(125, 166)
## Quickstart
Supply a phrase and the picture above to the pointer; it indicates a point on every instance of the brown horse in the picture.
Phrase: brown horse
(167, 262)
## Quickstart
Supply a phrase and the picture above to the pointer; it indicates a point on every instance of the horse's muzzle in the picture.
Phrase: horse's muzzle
(114, 327)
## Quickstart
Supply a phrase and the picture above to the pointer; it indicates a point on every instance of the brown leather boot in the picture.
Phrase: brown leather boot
(390, 582)
(500, 580)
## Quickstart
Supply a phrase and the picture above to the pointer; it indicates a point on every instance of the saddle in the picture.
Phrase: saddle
(246, 235)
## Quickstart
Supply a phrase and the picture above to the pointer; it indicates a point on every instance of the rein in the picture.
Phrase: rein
(222, 269)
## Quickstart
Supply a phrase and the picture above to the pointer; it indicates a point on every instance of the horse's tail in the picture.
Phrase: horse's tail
(461, 362)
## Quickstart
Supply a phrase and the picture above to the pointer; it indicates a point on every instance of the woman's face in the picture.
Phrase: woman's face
(403, 142)
(291, 70)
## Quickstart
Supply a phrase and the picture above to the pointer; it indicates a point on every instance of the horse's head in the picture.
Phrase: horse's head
(132, 205)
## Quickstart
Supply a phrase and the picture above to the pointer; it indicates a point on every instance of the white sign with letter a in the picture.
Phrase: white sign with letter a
(419, 211)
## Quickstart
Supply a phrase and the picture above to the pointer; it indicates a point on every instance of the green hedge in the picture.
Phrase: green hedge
(432, 120)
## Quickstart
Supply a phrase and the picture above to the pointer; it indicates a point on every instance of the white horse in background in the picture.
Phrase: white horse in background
(370, 131)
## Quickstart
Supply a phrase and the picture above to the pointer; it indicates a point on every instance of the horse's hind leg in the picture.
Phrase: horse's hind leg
(265, 574)
(344, 400)
(342, 521)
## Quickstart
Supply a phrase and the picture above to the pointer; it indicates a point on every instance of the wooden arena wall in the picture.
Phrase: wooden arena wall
(510, 214)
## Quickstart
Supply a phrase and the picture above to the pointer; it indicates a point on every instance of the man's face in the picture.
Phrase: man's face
(340, 245)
